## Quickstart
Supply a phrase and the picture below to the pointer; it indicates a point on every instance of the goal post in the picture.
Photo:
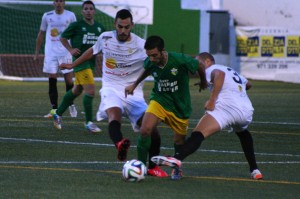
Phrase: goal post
(20, 23)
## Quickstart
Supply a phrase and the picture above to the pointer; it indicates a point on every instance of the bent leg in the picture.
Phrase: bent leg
(150, 122)
(114, 124)
(68, 81)
(205, 127)
(208, 125)
(68, 99)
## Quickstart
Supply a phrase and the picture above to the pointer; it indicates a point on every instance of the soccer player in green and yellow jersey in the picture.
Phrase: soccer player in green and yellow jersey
(170, 98)
(82, 35)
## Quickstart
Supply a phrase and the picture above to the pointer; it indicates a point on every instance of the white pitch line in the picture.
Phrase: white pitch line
(56, 142)
(192, 121)
(112, 145)
(258, 122)
(117, 162)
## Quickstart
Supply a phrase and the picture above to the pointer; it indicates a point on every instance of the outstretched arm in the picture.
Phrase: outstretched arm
(88, 54)
(129, 89)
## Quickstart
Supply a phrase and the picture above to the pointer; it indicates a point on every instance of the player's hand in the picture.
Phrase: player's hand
(202, 85)
(209, 105)
(129, 90)
(65, 66)
(75, 51)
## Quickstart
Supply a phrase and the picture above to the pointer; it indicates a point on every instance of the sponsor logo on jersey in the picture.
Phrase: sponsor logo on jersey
(110, 63)
(89, 38)
(54, 32)
(174, 71)
(167, 86)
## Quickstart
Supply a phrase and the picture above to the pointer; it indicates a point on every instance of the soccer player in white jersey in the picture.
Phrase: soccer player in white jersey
(228, 106)
(123, 58)
(52, 25)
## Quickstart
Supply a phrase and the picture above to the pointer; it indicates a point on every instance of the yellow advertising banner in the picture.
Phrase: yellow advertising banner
(268, 53)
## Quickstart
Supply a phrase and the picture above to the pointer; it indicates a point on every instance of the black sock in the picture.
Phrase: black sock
(155, 147)
(114, 130)
(177, 148)
(53, 94)
(247, 146)
(190, 146)
(69, 87)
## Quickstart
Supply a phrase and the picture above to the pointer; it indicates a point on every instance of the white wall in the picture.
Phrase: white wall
(280, 13)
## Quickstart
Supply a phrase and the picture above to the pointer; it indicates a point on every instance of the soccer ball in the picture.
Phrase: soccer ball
(134, 171)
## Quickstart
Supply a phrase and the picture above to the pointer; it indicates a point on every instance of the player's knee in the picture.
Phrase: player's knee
(179, 139)
(146, 130)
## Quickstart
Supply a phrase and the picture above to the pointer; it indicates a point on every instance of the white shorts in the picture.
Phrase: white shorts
(133, 107)
(238, 119)
(51, 64)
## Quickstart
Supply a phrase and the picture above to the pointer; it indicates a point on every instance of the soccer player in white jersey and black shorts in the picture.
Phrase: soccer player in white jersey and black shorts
(228, 106)
(123, 58)
(52, 25)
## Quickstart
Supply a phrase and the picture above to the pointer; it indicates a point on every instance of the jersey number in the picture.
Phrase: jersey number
(236, 76)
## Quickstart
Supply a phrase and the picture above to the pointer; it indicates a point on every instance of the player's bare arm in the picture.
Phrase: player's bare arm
(248, 85)
(217, 78)
(203, 82)
(129, 89)
(84, 57)
(201, 72)
(66, 44)
(39, 41)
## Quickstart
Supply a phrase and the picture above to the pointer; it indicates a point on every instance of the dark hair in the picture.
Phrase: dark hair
(124, 14)
(206, 55)
(88, 2)
(154, 42)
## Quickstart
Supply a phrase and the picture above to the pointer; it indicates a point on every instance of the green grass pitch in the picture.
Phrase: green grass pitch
(38, 161)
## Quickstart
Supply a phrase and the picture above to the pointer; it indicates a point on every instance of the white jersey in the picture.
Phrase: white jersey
(54, 24)
(233, 92)
(233, 108)
(122, 61)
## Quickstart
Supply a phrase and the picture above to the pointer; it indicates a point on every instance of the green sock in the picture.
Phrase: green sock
(143, 146)
(88, 107)
(66, 102)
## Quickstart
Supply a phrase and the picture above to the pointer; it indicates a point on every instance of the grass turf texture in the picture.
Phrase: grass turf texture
(38, 161)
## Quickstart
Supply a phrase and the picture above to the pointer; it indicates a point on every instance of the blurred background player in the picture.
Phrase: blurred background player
(228, 105)
(123, 57)
(170, 100)
(82, 35)
(52, 25)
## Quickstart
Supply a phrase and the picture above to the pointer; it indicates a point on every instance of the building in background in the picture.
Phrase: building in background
(261, 39)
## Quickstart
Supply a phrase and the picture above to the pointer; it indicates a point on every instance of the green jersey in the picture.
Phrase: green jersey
(171, 83)
(83, 36)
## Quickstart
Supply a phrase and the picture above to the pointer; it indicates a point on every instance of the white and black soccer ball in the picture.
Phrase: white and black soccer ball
(134, 171)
